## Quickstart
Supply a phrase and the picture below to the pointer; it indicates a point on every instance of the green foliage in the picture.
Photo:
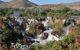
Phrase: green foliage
(53, 46)
(5, 35)
(40, 12)
(68, 39)
(49, 46)
(65, 10)
(5, 12)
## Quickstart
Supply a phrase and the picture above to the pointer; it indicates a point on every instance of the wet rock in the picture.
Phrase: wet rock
(23, 27)
(44, 36)
(69, 22)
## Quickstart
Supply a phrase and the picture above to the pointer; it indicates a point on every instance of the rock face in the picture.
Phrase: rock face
(20, 4)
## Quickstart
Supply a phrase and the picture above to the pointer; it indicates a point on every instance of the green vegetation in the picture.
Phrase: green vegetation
(57, 25)
(67, 43)
(40, 12)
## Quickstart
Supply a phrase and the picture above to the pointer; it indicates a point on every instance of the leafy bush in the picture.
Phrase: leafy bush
(68, 39)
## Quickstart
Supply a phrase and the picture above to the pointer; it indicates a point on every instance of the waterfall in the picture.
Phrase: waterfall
(66, 29)
(50, 37)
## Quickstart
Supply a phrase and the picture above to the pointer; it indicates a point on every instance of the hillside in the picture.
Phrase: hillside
(17, 4)
(73, 5)
(20, 4)
(52, 6)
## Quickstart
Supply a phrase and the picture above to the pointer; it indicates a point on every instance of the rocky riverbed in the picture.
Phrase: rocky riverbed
(20, 33)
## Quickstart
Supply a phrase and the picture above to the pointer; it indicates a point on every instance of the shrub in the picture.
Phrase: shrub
(67, 39)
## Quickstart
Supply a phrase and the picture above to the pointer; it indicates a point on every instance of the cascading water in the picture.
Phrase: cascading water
(66, 29)
(48, 31)
(50, 36)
